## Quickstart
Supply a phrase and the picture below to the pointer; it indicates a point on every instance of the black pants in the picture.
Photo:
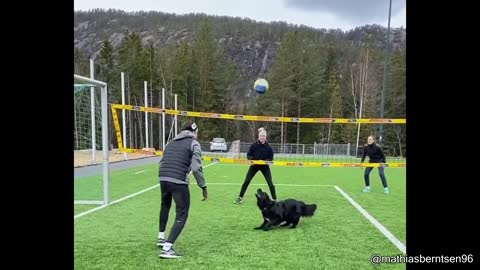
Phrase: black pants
(181, 196)
(381, 172)
(265, 169)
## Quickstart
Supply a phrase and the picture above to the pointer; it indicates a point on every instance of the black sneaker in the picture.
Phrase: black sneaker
(160, 242)
(170, 254)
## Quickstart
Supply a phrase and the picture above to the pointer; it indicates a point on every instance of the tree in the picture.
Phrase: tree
(182, 75)
(210, 79)
(133, 61)
(80, 63)
(330, 94)
(395, 135)
(293, 80)
(106, 69)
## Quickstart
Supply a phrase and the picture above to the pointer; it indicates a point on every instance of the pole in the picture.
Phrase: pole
(124, 119)
(146, 113)
(163, 120)
(159, 123)
(176, 131)
(92, 113)
(106, 171)
(387, 52)
(151, 118)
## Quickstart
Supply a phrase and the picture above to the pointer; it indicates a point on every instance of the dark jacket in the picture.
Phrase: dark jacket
(182, 155)
(374, 153)
(259, 151)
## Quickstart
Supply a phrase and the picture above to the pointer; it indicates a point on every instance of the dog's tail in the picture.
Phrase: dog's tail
(308, 210)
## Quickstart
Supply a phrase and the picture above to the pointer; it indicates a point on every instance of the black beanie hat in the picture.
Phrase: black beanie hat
(192, 127)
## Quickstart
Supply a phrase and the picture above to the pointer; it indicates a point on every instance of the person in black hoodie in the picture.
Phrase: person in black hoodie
(375, 155)
(259, 150)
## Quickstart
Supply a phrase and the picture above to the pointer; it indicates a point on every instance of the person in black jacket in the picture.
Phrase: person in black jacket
(375, 155)
(181, 156)
(259, 150)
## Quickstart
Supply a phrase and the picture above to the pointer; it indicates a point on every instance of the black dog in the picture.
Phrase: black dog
(289, 211)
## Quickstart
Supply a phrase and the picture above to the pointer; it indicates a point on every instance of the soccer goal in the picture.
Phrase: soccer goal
(87, 124)
(91, 140)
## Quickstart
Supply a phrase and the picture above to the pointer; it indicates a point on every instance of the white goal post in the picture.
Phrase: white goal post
(105, 146)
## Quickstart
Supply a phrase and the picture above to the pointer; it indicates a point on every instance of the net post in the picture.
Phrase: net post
(106, 171)
(92, 114)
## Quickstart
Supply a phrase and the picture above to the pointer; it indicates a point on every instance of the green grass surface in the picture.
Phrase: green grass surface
(220, 235)
(308, 158)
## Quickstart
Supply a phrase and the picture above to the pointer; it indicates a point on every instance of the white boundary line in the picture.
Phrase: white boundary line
(124, 198)
(375, 222)
(286, 185)
(114, 202)
(369, 217)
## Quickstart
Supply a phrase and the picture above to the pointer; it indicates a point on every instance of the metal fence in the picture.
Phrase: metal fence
(295, 152)
(293, 148)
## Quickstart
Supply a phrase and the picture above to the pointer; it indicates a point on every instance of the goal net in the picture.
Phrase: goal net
(90, 140)
(87, 124)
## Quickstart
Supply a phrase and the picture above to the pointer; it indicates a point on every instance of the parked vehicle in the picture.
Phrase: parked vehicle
(218, 144)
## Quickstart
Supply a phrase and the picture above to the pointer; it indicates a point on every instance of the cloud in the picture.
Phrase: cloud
(354, 11)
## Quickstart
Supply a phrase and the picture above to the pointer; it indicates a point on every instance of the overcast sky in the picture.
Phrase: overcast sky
(343, 14)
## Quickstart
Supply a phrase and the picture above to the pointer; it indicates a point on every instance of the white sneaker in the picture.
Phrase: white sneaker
(239, 200)
(160, 242)
(170, 254)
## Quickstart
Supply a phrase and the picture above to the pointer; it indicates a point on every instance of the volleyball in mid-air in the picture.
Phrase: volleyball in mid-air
(260, 86)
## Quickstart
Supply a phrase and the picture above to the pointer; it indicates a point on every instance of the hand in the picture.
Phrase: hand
(205, 194)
